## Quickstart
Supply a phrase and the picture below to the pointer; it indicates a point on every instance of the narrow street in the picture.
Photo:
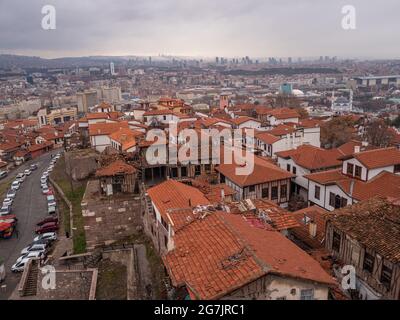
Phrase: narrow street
(30, 206)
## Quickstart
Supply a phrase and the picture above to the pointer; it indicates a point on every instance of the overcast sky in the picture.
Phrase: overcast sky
(258, 28)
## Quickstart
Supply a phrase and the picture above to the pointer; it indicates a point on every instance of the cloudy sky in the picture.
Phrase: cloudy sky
(258, 28)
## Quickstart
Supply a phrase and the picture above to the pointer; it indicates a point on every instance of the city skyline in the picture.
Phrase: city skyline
(199, 29)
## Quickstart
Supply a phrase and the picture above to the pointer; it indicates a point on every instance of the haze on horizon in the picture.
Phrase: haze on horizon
(206, 28)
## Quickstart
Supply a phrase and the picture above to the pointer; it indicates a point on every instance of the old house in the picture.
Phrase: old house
(266, 181)
(367, 237)
(363, 175)
(117, 177)
(217, 255)
(307, 159)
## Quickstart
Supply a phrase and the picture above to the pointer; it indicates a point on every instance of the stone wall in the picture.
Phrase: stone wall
(107, 220)
(81, 164)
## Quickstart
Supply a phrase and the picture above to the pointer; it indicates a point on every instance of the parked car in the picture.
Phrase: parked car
(45, 190)
(50, 193)
(33, 166)
(48, 227)
(49, 236)
(51, 210)
(27, 172)
(20, 177)
(34, 247)
(51, 204)
(19, 267)
(50, 198)
(15, 185)
(5, 210)
(47, 220)
(11, 194)
(7, 202)
(31, 255)
(3, 174)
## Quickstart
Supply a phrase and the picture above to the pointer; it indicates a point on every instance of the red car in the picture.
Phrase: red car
(47, 220)
(48, 227)
(50, 193)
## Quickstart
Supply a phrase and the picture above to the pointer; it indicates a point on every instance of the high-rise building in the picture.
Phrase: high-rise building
(112, 68)
(86, 100)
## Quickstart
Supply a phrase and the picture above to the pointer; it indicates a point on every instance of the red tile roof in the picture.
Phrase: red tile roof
(171, 194)
(378, 158)
(264, 171)
(266, 137)
(385, 184)
(118, 167)
(99, 129)
(219, 253)
(312, 158)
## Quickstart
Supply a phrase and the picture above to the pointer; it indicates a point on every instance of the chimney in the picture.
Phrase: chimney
(312, 229)
(223, 195)
(357, 149)
(190, 202)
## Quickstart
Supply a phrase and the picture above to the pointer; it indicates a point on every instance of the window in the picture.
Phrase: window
(197, 170)
(386, 276)
(336, 242)
(281, 298)
(183, 171)
(397, 168)
(317, 194)
(274, 193)
(344, 202)
(332, 199)
(357, 173)
(252, 188)
(288, 167)
(368, 262)
(294, 170)
(350, 169)
(307, 294)
(283, 191)
(265, 192)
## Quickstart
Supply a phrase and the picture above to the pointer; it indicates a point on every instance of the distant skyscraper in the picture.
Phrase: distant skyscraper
(112, 68)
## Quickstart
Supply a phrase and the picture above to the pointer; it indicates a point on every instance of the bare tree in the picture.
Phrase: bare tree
(378, 134)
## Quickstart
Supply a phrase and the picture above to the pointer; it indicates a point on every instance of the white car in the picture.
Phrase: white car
(19, 267)
(15, 185)
(20, 177)
(51, 204)
(34, 247)
(30, 255)
(45, 190)
(11, 194)
(27, 172)
(7, 202)
(50, 236)
(51, 198)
